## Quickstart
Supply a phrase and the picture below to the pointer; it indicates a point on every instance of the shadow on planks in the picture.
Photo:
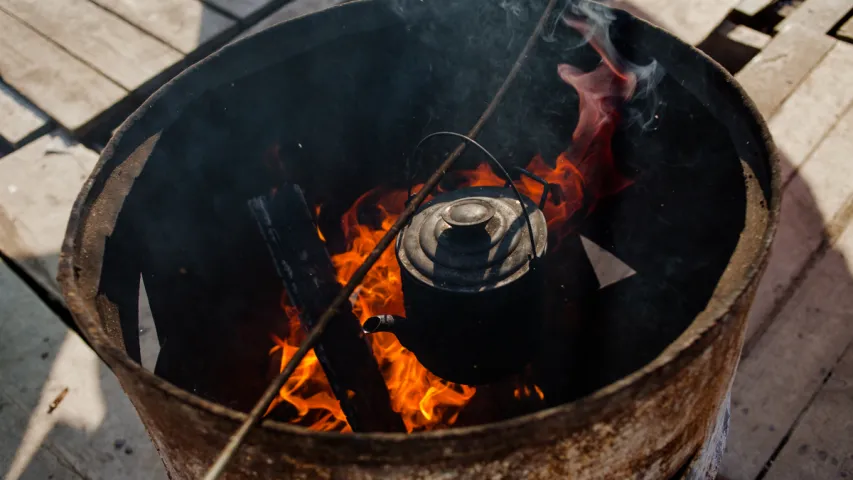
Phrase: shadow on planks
(93, 431)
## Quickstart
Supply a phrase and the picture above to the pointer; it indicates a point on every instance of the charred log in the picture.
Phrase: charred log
(309, 278)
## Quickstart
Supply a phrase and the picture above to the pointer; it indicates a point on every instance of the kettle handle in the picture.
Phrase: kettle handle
(496, 163)
(545, 191)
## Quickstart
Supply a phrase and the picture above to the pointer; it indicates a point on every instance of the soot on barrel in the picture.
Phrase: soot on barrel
(649, 186)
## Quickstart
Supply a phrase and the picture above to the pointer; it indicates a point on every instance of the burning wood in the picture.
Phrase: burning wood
(423, 400)
(309, 278)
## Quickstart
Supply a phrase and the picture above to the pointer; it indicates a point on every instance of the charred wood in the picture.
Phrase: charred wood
(309, 278)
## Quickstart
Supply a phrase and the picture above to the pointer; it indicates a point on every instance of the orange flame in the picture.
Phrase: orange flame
(307, 390)
(581, 176)
(317, 215)
(424, 400)
(527, 392)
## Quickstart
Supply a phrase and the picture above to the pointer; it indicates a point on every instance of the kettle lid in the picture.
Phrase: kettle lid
(471, 240)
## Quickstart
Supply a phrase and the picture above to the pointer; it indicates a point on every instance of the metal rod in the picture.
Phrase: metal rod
(257, 413)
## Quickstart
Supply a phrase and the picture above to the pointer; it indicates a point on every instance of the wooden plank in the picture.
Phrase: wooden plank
(38, 185)
(778, 378)
(817, 104)
(690, 20)
(745, 35)
(39, 358)
(243, 9)
(828, 170)
(59, 84)
(103, 40)
(813, 198)
(291, 10)
(733, 46)
(751, 7)
(20, 121)
(820, 446)
(185, 25)
(775, 72)
(818, 15)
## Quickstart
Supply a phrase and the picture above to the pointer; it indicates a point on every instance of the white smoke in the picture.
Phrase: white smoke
(593, 19)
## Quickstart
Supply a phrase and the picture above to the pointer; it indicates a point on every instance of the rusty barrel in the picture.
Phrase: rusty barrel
(155, 207)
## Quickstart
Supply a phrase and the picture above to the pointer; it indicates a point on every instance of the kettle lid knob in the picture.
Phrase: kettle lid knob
(468, 213)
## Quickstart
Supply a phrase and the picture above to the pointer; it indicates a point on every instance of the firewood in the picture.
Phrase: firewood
(309, 278)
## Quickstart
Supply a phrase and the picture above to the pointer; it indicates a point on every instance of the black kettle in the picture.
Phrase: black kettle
(472, 284)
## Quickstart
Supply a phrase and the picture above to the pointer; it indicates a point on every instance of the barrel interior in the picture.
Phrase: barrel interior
(343, 118)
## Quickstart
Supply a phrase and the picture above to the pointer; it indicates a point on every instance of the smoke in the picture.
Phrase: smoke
(470, 38)
(593, 21)
(514, 8)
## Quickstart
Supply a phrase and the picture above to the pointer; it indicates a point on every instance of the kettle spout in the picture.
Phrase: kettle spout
(381, 323)
(404, 329)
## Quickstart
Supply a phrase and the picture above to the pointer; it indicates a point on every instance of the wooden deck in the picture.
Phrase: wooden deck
(86, 63)
(71, 69)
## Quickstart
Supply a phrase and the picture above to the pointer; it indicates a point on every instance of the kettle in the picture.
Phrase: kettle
(472, 281)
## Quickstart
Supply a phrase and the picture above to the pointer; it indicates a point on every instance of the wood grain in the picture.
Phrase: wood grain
(117, 49)
(185, 25)
(20, 121)
(59, 84)
(776, 382)
(777, 71)
(820, 445)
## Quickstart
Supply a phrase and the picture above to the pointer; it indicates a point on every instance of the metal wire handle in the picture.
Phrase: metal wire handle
(507, 177)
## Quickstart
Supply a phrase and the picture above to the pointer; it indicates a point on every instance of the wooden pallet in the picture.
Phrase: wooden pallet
(85, 63)
(799, 335)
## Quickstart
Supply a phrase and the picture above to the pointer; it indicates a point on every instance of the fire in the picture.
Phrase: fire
(307, 390)
(580, 177)
(317, 215)
(424, 400)
(527, 392)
